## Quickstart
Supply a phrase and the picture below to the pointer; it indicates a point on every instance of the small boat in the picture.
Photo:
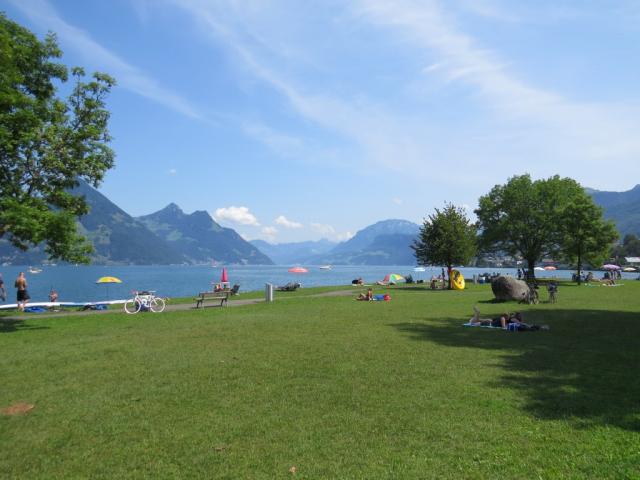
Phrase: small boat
(34, 270)
(325, 267)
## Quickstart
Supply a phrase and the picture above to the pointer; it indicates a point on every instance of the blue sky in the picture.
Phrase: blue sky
(291, 120)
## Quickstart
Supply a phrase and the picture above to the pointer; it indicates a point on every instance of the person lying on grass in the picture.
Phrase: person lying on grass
(503, 321)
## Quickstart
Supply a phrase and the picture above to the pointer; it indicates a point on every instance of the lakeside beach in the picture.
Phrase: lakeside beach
(77, 284)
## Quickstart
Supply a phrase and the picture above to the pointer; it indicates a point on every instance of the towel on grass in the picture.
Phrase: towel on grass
(469, 324)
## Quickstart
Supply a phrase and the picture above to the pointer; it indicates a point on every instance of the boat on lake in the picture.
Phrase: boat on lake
(325, 267)
(34, 270)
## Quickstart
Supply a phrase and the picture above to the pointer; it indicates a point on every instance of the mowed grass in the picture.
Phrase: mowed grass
(333, 387)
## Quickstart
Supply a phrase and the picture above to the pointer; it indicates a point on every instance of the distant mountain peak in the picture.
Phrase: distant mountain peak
(172, 207)
(202, 214)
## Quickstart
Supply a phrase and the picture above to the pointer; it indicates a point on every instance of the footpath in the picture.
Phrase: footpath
(172, 307)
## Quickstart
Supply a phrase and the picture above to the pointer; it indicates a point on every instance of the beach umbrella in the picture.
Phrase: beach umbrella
(539, 269)
(298, 270)
(225, 277)
(393, 278)
(549, 267)
(107, 281)
(610, 266)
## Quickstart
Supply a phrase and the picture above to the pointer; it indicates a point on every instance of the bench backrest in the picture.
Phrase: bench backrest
(213, 294)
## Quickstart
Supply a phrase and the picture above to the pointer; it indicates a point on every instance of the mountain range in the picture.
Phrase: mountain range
(294, 252)
(166, 237)
(383, 243)
(170, 236)
(621, 207)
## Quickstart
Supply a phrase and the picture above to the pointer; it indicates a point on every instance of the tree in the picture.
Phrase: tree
(586, 236)
(47, 143)
(446, 238)
(524, 217)
(630, 248)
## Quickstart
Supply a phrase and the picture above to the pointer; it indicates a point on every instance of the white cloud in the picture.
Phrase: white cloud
(328, 231)
(239, 215)
(128, 76)
(172, 171)
(269, 233)
(397, 201)
(286, 223)
(341, 237)
(543, 124)
(323, 228)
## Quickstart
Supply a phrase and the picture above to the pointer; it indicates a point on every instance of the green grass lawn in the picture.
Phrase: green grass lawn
(336, 388)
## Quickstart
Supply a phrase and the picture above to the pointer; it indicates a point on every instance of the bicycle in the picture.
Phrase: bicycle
(144, 300)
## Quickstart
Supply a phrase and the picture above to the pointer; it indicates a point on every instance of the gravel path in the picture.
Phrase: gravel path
(176, 307)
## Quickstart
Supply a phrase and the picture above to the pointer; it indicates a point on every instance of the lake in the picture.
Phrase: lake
(77, 284)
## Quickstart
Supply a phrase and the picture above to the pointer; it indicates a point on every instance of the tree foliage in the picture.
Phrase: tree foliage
(630, 247)
(47, 143)
(547, 217)
(446, 238)
(586, 236)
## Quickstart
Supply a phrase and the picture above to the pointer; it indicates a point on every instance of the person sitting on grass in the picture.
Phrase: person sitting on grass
(365, 297)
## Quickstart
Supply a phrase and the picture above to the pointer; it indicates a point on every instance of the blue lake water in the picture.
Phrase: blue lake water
(77, 284)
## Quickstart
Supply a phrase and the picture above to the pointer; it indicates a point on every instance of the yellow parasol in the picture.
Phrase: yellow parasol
(108, 280)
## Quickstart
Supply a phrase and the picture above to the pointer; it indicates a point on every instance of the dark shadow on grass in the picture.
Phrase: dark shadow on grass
(585, 369)
(10, 325)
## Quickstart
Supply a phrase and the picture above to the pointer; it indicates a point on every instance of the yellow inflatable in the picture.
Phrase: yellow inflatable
(457, 280)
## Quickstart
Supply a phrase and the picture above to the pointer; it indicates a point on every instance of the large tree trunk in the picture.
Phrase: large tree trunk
(531, 273)
(449, 268)
(579, 269)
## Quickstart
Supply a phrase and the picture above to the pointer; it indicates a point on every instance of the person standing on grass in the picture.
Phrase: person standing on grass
(23, 295)
(3, 292)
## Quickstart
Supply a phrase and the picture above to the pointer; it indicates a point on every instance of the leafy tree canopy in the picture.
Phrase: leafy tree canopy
(586, 236)
(47, 143)
(446, 238)
(630, 247)
(547, 217)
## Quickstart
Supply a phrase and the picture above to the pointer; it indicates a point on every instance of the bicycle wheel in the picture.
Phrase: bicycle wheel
(157, 305)
(132, 306)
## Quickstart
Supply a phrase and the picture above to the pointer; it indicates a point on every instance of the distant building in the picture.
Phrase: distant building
(635, 261)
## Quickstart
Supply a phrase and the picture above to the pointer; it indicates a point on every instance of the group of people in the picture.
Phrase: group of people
(22, 296)
(506, 321)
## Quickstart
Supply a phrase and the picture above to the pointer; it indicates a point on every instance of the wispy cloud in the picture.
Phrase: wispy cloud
(589, 131)
(269, 233)
(286, 223)
(539, 123)
(382, 138)
(239, 215)
(44, 14)
(330, 232)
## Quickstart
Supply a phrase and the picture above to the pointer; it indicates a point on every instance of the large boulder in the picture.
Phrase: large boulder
(509, 288)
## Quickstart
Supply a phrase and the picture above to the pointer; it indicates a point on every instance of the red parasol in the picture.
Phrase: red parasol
(225, 277)
(298, 270)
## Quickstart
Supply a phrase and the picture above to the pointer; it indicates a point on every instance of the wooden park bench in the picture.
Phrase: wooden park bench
(202, 297)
